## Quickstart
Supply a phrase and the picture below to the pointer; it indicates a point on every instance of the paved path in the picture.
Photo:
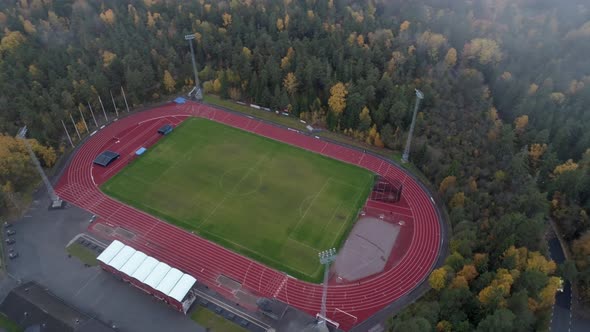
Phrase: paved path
(562, 319)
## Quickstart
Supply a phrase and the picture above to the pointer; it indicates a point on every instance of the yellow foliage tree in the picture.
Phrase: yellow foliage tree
(459, 282)
(538, 262)
(226, 19)
(217, 86)
(247, 52)
(107, 58)
(581, 250)
(81, 127)
(337, 100)
(360, 40)
(169, 83)
(378, 142)
(486, 51)
(438, 278)
(569, 165)
(286, 60)
(11, 40)
(451, 57)
(432, 42)
(290, 83)
(447, 183)
(108, 17)
(29, 27)
(506, 76)
(404, 26)
(533, 89)
(444, 326)
(473, 184)
(458, 200)
(468, 272)
(521, 122)
(557, 97)
(280, 24)
(536, 151)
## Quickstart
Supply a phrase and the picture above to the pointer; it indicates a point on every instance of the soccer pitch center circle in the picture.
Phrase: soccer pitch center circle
(349, 303)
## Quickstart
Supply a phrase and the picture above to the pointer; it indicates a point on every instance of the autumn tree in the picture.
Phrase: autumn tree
(520, 123)
(337, 100)
(451, 57)
(169, 82)
(438, 278)
(108, 17)
(226, 19)
(290, 83)
(11, 41)
(485, 51)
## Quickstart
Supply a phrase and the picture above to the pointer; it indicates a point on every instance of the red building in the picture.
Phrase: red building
(156, 278)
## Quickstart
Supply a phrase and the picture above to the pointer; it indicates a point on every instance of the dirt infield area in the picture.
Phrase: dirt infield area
(366, 250)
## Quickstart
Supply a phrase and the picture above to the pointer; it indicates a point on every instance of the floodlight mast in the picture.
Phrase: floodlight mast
(196, 89)
(55, 200)
(406, 155)
(326, 257)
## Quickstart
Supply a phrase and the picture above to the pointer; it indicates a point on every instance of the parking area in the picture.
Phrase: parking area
(40, 239)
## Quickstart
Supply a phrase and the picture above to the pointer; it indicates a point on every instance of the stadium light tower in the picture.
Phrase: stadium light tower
(197, 89)
(326, 258)
(56, 202)
(406, 155)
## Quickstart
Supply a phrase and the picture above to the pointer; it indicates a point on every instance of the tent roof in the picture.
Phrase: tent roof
(111, 251)
(169, 281)
(144, 270)
(122, 257)
(158, 273)
(182, 287)
(133, 263)
(148, 270)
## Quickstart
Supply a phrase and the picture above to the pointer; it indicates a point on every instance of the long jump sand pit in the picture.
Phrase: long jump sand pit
(366, 250)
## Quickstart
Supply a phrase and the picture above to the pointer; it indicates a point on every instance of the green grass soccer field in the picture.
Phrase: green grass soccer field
(270, 201)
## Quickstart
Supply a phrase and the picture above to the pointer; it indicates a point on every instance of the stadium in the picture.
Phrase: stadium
(245, 206)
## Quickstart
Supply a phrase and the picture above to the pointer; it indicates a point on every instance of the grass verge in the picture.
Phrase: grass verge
(215, 323)
(9, 325)
(84, 254)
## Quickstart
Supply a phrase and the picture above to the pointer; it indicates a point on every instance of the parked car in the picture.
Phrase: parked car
(13, 255)
(7, 224)
(10, 241)
(10, 232)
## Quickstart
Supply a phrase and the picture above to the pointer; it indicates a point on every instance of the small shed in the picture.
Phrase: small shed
(105, 158)
(165, 129)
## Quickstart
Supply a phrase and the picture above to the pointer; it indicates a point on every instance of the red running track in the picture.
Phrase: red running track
(348, 304)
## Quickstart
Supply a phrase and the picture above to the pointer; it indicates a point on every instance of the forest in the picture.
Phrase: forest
(501, 133)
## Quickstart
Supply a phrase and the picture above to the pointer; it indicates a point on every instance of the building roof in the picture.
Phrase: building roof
(158, 273)
(144, 270)
(133, 263)
(147, 270)
(122, 257)
(169, 281)
(182, 287)
(111, 251)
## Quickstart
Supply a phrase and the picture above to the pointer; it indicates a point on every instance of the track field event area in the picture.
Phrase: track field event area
(270, 201)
